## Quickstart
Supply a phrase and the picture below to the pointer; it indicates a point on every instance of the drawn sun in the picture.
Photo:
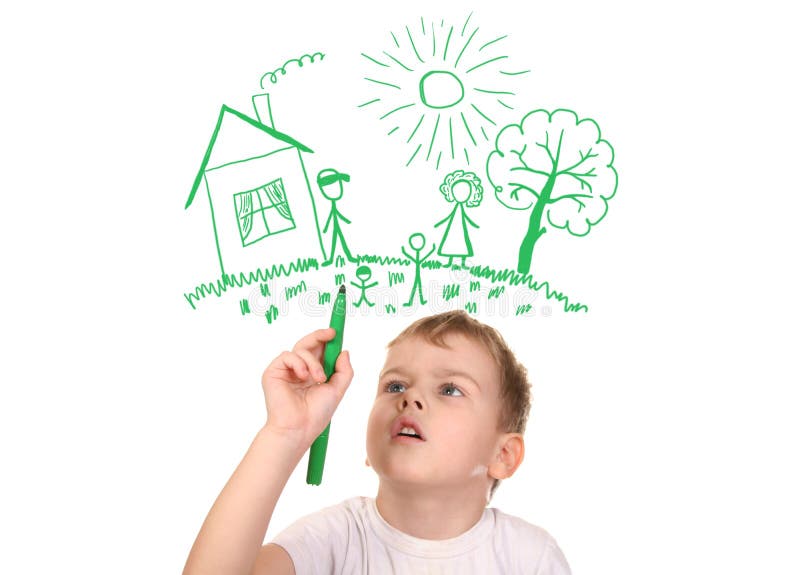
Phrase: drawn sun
(441, 89)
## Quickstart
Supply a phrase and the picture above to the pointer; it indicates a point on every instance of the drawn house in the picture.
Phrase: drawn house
(258, 194)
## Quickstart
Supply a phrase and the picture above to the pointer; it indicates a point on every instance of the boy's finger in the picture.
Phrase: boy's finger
(293, 362)
(313, 364)
(343, 374)
(315, 339)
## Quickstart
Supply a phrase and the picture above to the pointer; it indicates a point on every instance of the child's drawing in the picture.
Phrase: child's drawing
(463, 189)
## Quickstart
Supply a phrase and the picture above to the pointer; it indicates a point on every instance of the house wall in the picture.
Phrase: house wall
(281, 248)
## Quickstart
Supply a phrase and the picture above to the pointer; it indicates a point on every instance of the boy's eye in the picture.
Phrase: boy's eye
(395, 387)
(450, 389)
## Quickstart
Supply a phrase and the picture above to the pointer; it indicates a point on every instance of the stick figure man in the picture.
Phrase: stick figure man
(417, 243)
(330, 184)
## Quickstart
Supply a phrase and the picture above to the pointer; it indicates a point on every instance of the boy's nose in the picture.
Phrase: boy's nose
(404, 403)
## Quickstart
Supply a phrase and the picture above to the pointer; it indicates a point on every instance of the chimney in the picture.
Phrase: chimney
(263, 109)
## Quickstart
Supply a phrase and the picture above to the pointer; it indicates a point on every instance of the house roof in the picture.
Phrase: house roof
(256, 124)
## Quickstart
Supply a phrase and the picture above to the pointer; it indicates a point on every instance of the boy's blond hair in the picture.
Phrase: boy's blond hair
(515, 394)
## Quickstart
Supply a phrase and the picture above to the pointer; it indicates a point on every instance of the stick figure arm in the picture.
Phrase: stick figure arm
(354, 284)
(403, 249)
(474, 225)
(330, 216)
(433, 247)
(344, 219)
(373, 284)
(439, 223)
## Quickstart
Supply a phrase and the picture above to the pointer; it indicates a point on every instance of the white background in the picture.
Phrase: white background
(664, 431)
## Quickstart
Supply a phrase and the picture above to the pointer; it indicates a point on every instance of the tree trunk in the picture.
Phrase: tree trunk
(535, 229)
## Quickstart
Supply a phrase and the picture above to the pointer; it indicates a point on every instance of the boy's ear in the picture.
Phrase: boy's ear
(366, 461)
(510, 453)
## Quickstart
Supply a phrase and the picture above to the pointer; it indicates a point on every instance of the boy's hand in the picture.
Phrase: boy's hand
(297, 407)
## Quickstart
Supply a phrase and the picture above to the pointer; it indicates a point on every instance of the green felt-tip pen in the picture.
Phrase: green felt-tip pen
(316, 458)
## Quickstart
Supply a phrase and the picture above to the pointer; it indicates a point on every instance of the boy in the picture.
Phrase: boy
(446, 426)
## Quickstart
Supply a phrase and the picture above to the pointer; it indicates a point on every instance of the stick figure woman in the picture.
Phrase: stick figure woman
(464, 190)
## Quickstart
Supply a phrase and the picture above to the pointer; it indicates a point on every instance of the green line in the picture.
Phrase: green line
(371, 59)
(484, 115)
(398, 61)
(438, 160)
(433, 33)
(422, 117)
(396, 43)
(514, 73)
(499, 101)
(492, 42)
(368, 103)
(487, 62)
(410, 39)
(466, 155)
(248, 159)
(465, 24)
(485, 137)
(396, 109)
(413, 155)
(493, 91)
(421, 21)
(447, 44)
(214, 224)
(393, 130)
(474, 143)
(433, 137)
(464, 48)
(452, 153)
(382, 83)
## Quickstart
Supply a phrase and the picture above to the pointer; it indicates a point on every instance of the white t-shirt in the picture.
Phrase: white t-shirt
(353, 538)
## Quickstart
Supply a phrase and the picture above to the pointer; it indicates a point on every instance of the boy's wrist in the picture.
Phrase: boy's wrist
(293, 441)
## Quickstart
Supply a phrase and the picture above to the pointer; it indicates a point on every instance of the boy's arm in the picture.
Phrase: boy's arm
(232, 534)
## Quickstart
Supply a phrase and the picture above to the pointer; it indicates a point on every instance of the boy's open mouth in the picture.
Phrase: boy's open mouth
(407, 427)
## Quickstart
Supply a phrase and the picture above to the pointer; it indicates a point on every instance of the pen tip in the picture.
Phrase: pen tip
(341, 288)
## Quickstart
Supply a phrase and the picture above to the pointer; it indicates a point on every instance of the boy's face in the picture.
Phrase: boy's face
(447, 395)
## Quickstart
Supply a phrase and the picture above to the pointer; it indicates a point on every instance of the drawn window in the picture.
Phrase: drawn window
(262, 212)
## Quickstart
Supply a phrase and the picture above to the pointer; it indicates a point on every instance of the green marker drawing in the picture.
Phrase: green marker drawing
(363, 273)
(316, 457)
(457, 87)
(557, 166)
(464, 190)
(330, 184)
(417, 243)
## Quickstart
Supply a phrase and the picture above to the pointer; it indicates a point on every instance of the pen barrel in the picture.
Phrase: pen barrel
(316, 456)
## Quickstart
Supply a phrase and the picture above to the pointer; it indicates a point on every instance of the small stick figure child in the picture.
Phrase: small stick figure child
(363, 273)
(417, 242)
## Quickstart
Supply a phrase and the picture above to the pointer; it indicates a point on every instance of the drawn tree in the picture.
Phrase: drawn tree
(556, 166)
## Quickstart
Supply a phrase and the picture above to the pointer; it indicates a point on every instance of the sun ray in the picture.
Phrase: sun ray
(514, 73)
(393, 130)
(382, 83)
(486, 62)
(466, 155)
(499, 101)
(485, 137)
(465, 24)
(474, 143)
(422, 117)
(493, 92)
(413, 155)
(410, 39)
(396, 43)
(398, 62)
(492, 42)
(396, 109)
(433, 33)
(447, 44)
(439, 159)
(484, 115)
(370, 102)
(371, 59)
(465, 47)
(421, 21)
(433, 137)
(452, 152)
